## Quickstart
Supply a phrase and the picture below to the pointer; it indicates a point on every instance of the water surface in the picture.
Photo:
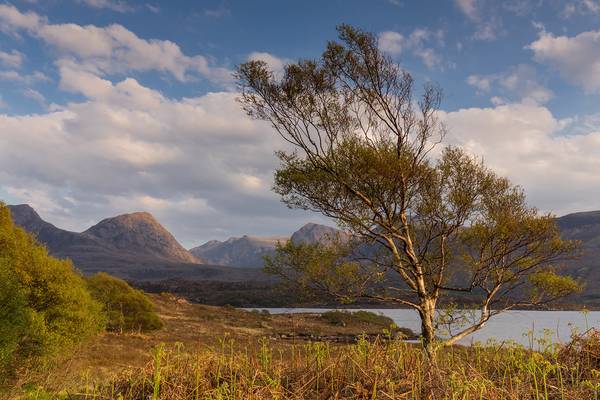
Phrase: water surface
(510, 326)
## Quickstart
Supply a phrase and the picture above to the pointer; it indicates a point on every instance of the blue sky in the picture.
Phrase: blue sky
(111, 106)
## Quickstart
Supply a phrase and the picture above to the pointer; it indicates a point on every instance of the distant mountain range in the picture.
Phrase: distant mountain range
(137, 247)
(132, 246)
(249, 251)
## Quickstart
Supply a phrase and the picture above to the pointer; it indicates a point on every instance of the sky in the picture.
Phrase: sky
(114, 106)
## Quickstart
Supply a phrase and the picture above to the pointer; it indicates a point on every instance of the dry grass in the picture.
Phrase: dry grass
(227, 354)
(365, 370)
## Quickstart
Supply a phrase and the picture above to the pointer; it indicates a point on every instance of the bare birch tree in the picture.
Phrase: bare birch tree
(367, 153)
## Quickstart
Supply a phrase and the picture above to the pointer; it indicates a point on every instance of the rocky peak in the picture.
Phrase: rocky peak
(314, 233)
(140, 232)
(25, 216)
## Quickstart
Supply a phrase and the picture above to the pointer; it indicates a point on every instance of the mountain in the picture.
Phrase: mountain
(314, 233)
(585, 227)
(246, 252)
(140, 233)
(249, 251)
(60, 243)
(131, 246)
(136, 247)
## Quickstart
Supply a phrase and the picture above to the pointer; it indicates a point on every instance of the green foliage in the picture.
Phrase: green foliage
(549, 283)
(345, 318)
(126, 308)
(362, 154)
(45, 306)
(13, 314)
(319, 269)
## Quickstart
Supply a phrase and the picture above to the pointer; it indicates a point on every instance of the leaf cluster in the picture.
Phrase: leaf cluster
(45, 307)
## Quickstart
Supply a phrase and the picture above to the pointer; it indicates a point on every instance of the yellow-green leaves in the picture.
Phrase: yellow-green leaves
(45, 306)
(547, 283)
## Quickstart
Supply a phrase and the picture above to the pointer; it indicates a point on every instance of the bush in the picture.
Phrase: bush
(126, 308)
(344, 318)
(45, 306)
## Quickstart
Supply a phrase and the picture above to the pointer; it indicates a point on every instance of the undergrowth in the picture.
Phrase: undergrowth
(384, 369)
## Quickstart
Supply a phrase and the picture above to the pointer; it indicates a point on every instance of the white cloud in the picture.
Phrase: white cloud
(114, 5)
(523, 81)
(35, 95)
(486, 20)
(274, 63)
(153, 8)
(205, 169)
(482, 83)
(391, 42)
(23, 78)
(528, 144)
(199, 163)
(112, 49)
(468, 8)
(520, 81)
(14, 59)
(580, 7)
(577, 58)
(487, 30)
(394, 43)
(12, 19)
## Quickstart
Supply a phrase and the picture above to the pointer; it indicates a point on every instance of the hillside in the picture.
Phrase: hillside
(313, 233)
(584, 226)
(132, 246)
(246, 252)
(137, 248)
(140, 233)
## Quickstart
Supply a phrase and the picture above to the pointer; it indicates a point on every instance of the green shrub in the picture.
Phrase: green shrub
(345, 318)
(14, 315)
(45, 306)
(126, 308)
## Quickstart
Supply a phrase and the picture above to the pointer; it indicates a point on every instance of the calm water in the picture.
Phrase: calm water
(512, 325)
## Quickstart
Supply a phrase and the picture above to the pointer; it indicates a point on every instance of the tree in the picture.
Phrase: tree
(126, 308)
(365, 153)
(45, 306)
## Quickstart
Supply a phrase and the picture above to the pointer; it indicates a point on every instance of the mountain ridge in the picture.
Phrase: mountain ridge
(249, 251)
(113, 246)
(141, 232)
(96, 250)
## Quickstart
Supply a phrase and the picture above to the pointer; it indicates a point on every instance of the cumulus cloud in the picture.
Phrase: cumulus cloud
(11, 59)
(577, 58)
(112, 49)
(486, 21)
(528, 144)
(520, 82)
(418, 43)
(198, 163)
(274, 63)
(204, 168)
(22, 78)
(13, 19)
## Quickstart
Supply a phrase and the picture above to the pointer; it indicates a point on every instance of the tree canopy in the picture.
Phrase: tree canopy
(45, 306)
(126, 308)
(426, 221)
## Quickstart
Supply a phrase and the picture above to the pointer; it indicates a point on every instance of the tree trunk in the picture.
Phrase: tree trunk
(427, 314)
